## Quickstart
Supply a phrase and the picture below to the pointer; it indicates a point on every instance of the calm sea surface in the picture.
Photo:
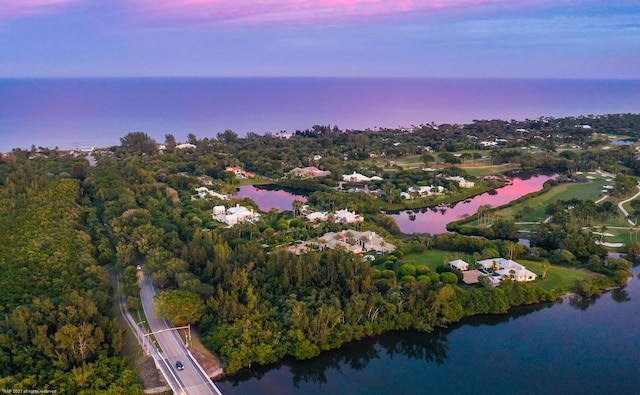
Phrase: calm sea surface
(573, 347)
(97, 112)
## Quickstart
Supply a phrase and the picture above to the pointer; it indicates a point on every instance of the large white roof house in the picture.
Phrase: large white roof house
(357, 177)
(355, 241)
(459, 264)
(507, 268)
(234, 215)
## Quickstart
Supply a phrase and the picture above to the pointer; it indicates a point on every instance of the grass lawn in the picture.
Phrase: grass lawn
(409, 161)
(557, 276)
(487, 170)
(587, 190)
(433, 258)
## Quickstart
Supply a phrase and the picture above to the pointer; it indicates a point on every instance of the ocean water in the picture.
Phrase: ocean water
(72, 113)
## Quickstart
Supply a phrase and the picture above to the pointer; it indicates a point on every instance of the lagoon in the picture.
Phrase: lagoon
(434, 220)
(269, 197)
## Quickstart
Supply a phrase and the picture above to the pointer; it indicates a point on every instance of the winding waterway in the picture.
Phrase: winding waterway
(434, 220)
(572, 346)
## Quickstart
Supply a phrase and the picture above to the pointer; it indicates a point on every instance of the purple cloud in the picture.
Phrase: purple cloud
(303, 12)
(15, 9)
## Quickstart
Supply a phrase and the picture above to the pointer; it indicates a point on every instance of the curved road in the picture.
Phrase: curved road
(624, 212)
(191, 380)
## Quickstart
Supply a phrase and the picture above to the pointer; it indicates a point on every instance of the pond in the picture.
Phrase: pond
(621, 142)
(268, 197)
(585, 346)
(434, 220)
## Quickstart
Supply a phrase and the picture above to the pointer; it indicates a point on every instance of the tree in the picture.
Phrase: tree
(229, 136)
(170, 141)
(545, 268)
(139, 141)
(180, 307)
(448, 278)
(296, 205)
(428, 158)
(192, 139)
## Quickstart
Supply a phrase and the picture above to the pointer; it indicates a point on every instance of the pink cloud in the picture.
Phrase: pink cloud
(297, 11)
(15, 9)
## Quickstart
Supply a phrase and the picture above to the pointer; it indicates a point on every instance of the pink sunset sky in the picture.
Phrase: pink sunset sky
(400, 38)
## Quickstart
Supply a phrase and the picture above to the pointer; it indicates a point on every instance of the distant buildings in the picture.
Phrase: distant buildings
(185, 146)
(340, 216)
(429, 190)
(239, 172)
(204, 192)
(356, 242)
(357, 177)
(309, 172)
(462, 182)
(234, 215)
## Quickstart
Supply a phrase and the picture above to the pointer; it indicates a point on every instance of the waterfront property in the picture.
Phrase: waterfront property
(234, 215)
(428, 190)
(462, 182)
(498, 268)
(340, 216)
(507, 268)
(309, 172)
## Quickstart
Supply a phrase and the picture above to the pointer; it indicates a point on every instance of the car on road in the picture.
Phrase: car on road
(179, 365)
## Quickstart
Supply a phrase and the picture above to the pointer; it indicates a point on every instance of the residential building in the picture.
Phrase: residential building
(234, 215)
(309, 172)
(204, 192)
(239, 172)
(357, 177)
(459, 264)
(507, 268)
(356, 242)
(462, 182)
(422, 191)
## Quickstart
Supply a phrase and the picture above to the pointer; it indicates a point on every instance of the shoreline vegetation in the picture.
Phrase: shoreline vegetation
(253, 294)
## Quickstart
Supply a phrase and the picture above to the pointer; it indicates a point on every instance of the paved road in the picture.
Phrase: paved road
(624, 212)
(191, 380)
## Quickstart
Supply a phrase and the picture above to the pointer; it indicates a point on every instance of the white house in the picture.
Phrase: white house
(234, 215)
(357, 177)
(460, 265)
(356, 241)
(204, 192)
(318, 216)
(507, 268)
(347, 216)
(309, 172)
(462, 182)
(185, 146)
(422, 191)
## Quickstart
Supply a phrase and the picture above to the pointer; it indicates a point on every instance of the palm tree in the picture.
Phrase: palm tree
(296, 205)
(545, 267)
